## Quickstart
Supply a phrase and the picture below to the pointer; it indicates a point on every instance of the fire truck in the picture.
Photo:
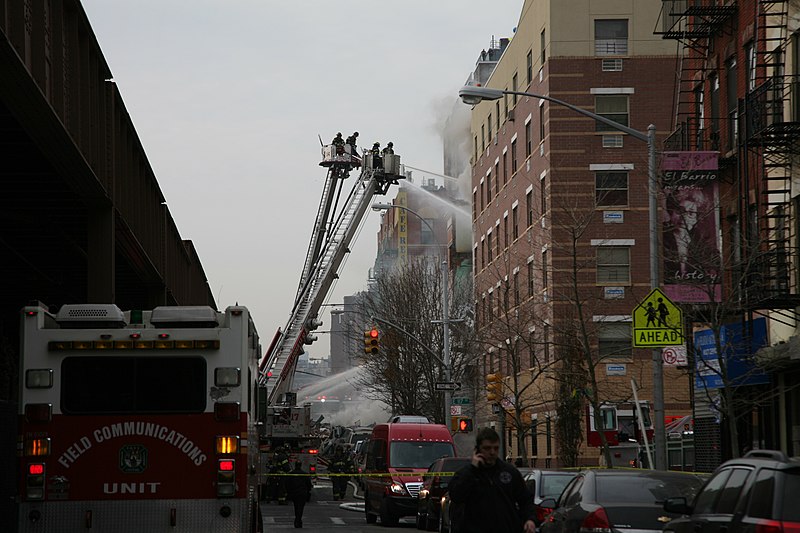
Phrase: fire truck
(341, 211)
(139, 420)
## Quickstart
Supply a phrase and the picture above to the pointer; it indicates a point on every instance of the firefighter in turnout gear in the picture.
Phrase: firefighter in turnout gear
(339, 465)
(281, 465)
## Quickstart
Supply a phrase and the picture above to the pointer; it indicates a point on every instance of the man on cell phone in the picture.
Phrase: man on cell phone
(490, 494)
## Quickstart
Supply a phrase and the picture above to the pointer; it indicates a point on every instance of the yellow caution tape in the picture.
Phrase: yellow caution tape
(382, 474)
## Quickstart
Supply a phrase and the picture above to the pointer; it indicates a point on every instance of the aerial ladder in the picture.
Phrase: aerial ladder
(334, 229)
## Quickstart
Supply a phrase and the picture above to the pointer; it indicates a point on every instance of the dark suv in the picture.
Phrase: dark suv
(757, 493)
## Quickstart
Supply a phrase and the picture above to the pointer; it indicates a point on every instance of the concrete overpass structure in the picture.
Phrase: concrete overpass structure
(82, 216)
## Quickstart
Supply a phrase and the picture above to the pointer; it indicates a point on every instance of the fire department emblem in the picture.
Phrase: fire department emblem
(133, 458)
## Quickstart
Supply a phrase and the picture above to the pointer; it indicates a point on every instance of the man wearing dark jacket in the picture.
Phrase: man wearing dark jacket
(490, 494)
(298, 488)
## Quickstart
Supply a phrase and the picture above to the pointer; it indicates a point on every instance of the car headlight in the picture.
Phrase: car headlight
(423, 493)
(397, 488)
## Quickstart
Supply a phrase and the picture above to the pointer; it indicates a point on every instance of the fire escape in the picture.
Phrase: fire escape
(694, 25)
(770, 146)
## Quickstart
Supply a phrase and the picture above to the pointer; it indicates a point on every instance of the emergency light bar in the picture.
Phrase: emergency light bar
(206, 344)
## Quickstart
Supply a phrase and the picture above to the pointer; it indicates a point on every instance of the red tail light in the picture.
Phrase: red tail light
(313, 469)
(596, 522)
(776, 526)
(36, 469)
(226, 465)
(542, 513)
(313, 451)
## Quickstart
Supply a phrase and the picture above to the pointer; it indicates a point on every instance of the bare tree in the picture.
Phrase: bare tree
(406, 301)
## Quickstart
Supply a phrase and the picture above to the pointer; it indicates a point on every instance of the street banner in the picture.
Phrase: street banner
(690, 226)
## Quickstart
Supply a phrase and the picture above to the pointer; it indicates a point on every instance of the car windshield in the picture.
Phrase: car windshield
(405, 454)
(645, 488)
(552, 485)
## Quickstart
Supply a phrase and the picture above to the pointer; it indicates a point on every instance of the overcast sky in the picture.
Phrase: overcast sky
(228, 98)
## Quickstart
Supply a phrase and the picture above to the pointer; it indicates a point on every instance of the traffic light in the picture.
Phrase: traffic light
(494, 387)
(464, 425)
(371, 341)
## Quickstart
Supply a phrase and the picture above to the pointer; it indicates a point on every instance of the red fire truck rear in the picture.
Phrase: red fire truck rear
(138, 420)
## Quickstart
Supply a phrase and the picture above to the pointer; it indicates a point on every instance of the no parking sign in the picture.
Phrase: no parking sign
(674, 356)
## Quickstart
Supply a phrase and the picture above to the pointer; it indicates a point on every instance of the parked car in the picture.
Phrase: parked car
(434, 486)
(444, 514)
(759, 492)
(618, 500)
(545, 484)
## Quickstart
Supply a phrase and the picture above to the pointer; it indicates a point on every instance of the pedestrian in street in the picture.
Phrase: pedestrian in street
(339, 465)
(298, 488)
(489, 494)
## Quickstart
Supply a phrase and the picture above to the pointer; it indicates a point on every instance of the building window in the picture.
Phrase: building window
(426, 235)
(497, 114)
(611, 37)
(750, 65)
(541, 123)
(529, 66)
(516, 288)
(613, 107)
(546, 343)
(505, 167)
(530, 278)
(483, 253)
(529, 207)
(483, 138)
(548, 436)
(515, 222)
(699, 116)
(505, 304)
(489, 187)
(476, 148)
(514, 88)
(608, 419)
(491, 307)
(534, 439)
(513, 157)
(505, 103)
(474, 205)
(505, 231)
(714, 82)
(732, 101)
(497, 238)
(543, 195)
(483, 195)
(528, 140)
(611, 189)
(497, 177)
(614, 340)
(489, 126)
(613, 264)
(489, 246)
(542, 45)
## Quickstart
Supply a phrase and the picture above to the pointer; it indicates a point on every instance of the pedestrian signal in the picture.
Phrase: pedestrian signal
(371, 341)
(464, 425)
(494, 387)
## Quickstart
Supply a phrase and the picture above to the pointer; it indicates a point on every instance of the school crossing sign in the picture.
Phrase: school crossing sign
(657, 322)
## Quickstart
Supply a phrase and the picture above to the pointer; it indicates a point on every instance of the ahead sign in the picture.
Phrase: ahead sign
(657, 322)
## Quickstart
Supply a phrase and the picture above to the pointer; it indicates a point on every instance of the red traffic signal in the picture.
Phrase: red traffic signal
(371, 341)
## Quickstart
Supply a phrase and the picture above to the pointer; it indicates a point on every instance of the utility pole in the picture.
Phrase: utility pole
(446, 336)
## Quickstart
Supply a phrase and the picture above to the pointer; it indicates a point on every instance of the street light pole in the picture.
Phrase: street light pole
(472, 95)
(445, 306)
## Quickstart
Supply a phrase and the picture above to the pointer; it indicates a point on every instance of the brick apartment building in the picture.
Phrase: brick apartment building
(560, 219)
(739, 97)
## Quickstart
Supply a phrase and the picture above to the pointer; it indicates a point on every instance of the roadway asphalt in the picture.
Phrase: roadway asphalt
(322, 513)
